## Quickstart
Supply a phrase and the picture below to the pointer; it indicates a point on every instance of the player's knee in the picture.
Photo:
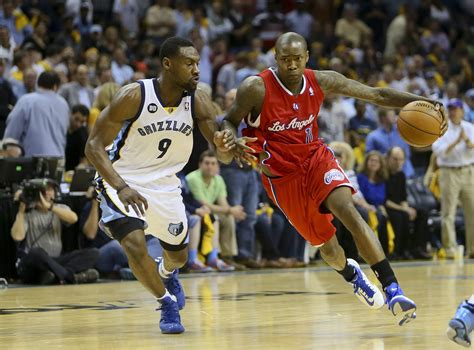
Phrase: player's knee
(134, 247)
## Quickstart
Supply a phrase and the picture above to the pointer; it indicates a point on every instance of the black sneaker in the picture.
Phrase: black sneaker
(88, 276)
(46, 278)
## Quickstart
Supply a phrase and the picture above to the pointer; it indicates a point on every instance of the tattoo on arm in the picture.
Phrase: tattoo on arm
(336, 83)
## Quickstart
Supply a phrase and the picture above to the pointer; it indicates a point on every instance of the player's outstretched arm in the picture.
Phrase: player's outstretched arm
(124, 106)
(336, 83)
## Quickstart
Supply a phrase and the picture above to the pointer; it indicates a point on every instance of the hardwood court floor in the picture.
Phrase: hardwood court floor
(308, 308)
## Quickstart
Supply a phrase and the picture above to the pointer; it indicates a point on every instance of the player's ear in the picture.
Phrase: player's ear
(166, 63)
(307, 56)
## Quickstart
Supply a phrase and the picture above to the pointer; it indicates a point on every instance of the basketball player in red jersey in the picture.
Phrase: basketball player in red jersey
(301, 174)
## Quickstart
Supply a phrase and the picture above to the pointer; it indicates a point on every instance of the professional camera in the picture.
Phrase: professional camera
(32, 188)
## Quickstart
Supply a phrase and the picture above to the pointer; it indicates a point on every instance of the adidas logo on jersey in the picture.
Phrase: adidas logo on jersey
(166, 125)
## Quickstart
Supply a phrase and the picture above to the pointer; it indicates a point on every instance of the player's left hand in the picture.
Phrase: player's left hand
(226, 142)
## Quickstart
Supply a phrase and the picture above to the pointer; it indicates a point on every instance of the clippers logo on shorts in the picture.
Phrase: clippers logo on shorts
(152, 108)
(333, 175)
(176, 229)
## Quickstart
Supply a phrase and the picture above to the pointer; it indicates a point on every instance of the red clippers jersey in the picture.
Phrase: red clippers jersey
(286, 127)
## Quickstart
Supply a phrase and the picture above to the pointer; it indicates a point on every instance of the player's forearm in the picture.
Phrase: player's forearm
(96, 154)
(91, 224)
(392, 98)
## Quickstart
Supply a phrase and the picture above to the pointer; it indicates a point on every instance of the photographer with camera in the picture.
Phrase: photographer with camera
(37, 229)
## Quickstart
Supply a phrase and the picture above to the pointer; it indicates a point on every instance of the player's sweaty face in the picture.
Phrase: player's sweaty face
(188, 68)
(291, 59)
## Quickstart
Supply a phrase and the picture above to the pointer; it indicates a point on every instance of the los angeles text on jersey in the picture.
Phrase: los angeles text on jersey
(293, 124)
(166, 125)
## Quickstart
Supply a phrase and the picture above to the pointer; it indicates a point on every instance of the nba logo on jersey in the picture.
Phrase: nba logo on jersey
(152, 108)
(295, 106)
(311, 92)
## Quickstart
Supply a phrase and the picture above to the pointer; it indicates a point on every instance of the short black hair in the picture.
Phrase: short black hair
(48, 80)
(80, 109)
(170, 47)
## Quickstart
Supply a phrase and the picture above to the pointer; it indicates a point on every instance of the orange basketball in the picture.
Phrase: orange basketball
(419, 123)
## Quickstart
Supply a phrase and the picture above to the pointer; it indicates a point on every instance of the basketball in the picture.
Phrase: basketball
(419, 123)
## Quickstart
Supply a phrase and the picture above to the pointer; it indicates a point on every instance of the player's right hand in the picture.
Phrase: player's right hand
(130, 197)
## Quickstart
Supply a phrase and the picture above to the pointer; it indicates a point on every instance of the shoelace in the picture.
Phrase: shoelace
(167, 312)
(174, 285)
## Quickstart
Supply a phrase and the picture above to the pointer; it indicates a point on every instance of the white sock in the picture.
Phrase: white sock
(471, 300)
(162, 271)
(167, 294)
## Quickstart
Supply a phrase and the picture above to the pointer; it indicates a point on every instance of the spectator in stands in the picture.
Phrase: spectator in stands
(470, 103)
(241, 27)
(332, 120)
(103, 99)
(126, 13)
(372, 178)
(401, 214)
(269, 24)
(242, 190)
(455, 157)
(41, 260)
(78, 91)
(210, 190)
(386, 136)
(39, 38)
(16, 21)
(351, 28)
(39, 121)
(10, 148)
(219, 24)
(359, 127)
(112, 261)
(203, 234)
(227, 76)
(160, 21)
(7, 97)
(121, 71)
(7, 47)
(77, 137)
(300, 20)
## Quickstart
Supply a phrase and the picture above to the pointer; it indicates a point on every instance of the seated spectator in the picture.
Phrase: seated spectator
(7, 97)
(112, 261)
(386, 136)
(346, 158)
(103, 99)
(469, 116)
(359, 127)
(210, 190)
(11, 148)
(203, 234)
(77, 137)
(78, 91)
(401, 214)
(38, 231)
(372, 177)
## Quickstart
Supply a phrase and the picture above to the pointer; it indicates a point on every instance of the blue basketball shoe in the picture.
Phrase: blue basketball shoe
(173, 285)
(399, 304)
(365, 290)
(170, 321)
(460, 327)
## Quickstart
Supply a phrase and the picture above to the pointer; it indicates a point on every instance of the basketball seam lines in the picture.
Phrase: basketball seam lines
(416, 110)
(417, 128)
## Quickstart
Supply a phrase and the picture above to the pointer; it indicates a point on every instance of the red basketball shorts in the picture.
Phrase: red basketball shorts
(300, 195)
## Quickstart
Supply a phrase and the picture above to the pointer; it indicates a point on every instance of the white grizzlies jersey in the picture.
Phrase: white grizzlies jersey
(157, 143)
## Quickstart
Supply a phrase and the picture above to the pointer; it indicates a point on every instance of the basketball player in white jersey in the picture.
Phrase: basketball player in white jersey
(147, 130)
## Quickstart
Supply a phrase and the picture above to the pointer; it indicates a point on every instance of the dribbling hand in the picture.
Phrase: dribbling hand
(442, 112)
(130, 197)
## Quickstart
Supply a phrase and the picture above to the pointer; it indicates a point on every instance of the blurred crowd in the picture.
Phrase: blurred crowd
(63, 61)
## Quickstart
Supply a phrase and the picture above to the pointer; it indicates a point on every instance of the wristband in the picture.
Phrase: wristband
(121, 188)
